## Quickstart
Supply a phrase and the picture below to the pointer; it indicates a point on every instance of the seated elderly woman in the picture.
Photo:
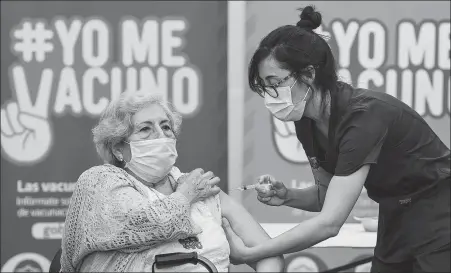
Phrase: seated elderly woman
(139, 204)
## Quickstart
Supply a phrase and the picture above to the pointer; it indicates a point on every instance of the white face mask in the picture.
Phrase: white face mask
(282, 107)
(152, 159)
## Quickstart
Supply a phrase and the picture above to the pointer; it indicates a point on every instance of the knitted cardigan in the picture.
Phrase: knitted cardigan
(111, 211)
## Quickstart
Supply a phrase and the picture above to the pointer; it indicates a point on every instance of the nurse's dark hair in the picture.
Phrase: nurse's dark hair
(295, 48)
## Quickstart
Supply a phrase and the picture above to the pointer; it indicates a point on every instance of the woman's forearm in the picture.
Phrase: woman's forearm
(250, 232)
(306, 234)
(308, 199)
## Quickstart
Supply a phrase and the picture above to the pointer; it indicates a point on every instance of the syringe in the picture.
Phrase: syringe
(248, 187)
(267, 186)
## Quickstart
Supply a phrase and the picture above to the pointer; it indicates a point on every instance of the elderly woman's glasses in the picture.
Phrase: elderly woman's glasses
(272, 89)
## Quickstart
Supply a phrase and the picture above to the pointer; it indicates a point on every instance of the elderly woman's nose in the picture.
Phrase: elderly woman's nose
(159, 133)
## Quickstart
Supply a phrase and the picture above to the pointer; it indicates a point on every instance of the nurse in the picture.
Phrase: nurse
(354, 138)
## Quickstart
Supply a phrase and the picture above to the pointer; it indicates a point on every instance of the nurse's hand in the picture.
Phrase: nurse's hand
(276, 195)
(238, 250)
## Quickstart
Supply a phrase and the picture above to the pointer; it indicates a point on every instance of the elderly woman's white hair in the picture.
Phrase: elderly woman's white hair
(115, 121)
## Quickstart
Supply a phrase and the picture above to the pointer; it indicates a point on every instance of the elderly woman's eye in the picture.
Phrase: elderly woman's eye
(144, 129)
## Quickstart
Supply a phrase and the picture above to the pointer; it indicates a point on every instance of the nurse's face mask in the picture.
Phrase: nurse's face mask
(152, 159)
(282, 106)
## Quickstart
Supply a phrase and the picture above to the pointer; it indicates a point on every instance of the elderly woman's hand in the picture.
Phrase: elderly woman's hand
(198, 185)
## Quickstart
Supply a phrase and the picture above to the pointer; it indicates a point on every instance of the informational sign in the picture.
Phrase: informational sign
(62, 63)
(401, 48)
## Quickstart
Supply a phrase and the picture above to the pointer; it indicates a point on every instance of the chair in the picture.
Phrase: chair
(55, 266)
(162, 260)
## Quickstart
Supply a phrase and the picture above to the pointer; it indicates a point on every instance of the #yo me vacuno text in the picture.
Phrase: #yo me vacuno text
(78, 76)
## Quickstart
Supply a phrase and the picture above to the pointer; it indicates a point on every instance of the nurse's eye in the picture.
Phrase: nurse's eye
(166, 127)
(273, 82)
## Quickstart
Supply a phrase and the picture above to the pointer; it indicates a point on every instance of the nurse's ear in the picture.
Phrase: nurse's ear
(307, 75)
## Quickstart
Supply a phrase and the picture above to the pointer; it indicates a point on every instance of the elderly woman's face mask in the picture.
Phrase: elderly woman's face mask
(152, 145)
(152, 159)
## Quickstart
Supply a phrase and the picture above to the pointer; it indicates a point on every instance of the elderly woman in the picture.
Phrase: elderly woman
(139, 205)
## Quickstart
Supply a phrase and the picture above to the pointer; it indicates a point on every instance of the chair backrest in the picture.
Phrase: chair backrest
(55, 266)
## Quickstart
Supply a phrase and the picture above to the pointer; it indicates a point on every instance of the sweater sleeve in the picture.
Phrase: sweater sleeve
(108, 213)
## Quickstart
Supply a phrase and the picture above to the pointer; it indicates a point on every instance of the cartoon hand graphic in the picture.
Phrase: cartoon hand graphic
(287, 143)
(26, 138)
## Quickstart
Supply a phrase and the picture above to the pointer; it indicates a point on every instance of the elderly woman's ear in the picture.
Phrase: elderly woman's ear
(121, 153)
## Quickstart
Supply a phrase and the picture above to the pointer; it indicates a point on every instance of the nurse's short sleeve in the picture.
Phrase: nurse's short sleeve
(361, 135)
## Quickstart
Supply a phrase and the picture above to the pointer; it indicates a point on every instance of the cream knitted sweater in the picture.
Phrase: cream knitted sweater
(112, 211)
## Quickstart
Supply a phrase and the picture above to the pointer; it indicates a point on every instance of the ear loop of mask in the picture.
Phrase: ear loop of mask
(309, 89)
(295, 81)
(305, 97)
(125, 162)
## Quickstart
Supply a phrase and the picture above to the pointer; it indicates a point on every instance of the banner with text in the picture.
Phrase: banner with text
(62, 63)
(402, 48)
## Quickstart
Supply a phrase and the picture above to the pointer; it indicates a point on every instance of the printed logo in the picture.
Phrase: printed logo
(191, 243)
(405, 201)
(314, 162)
(27, 262)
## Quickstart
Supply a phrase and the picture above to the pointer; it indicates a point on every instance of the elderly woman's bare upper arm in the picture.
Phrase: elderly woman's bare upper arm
(242, 221)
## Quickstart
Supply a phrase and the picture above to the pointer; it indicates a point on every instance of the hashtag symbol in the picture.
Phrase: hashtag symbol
(33, 40)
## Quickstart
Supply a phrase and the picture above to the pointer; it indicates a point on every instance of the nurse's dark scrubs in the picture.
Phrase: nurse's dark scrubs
(409, 175)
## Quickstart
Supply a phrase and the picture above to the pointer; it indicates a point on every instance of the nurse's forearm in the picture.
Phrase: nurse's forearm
(303, 236)
(304, 199)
